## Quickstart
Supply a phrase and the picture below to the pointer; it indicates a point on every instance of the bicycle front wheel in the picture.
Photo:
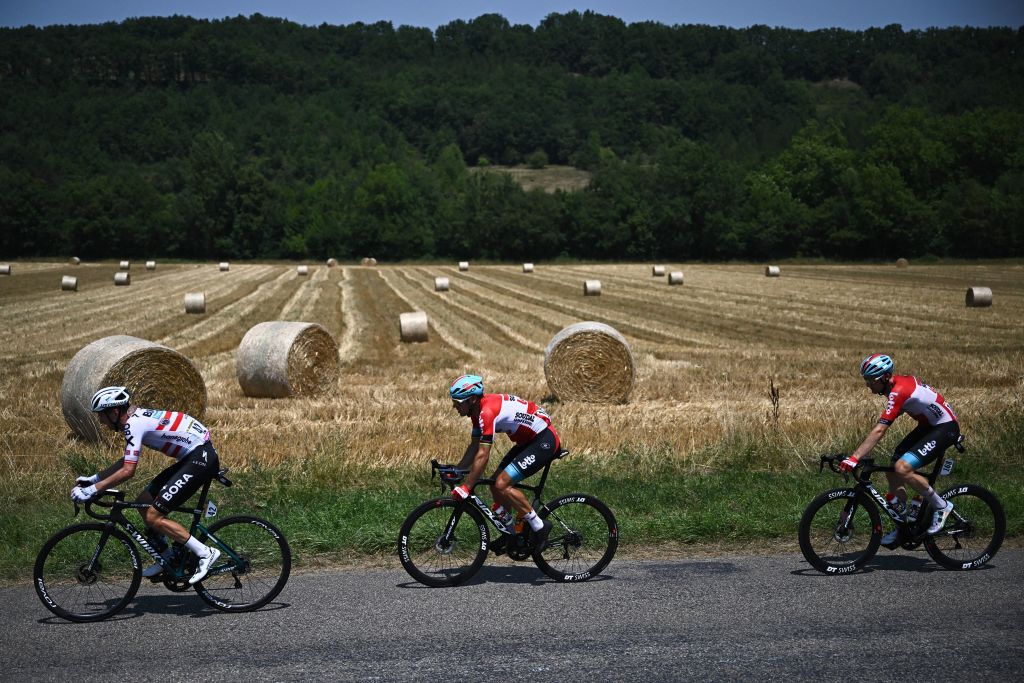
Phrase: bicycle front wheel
(974, 529)
(253, 567)
(442, 543)
(583, 539)
(840, 531)
(87, 572)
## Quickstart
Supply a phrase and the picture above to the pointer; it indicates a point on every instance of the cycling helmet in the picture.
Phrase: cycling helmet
(466, 387)
(876, 366)
(110, 397)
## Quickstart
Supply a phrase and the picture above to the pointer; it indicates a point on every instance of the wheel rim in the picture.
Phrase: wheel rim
(581, 540)
(435, 558)
(969, 533)
(78, 587)
(252, 572)
(837, 539)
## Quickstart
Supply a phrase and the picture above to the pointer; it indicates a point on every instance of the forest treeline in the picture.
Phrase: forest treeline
(257, 137)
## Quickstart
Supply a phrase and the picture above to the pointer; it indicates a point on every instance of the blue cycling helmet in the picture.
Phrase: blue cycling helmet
(876, 366)
(466, 387)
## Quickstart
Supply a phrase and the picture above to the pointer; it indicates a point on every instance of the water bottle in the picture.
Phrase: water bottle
(914, 509)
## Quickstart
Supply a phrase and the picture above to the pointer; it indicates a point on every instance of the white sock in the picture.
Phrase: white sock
(935, 499)
(536, 523)
(197, 548)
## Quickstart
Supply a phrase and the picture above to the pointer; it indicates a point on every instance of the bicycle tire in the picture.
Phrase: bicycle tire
(831, 550)
(583, 540)
(421, 552)
(973, 532)
(253, 567)
(69, 588)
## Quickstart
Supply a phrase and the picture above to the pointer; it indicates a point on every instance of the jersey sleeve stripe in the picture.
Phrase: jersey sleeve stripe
(177, 421)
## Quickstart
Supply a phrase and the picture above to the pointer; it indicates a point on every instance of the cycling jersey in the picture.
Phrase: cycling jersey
(916, 399)
(522, 420)
(172, 433)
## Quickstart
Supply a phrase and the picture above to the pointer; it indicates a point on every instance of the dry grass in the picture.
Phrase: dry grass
(704, 353)
(548, 179)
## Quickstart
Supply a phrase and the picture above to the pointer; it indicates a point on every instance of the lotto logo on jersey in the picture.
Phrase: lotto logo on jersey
(526, 462)
(891, 402)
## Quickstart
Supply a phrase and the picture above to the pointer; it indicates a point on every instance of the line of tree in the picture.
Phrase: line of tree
(257, 137)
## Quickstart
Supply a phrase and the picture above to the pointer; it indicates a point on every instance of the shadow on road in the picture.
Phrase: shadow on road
(523, 575)
(894, 562)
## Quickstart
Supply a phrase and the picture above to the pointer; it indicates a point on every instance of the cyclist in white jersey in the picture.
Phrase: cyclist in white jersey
(175, 434)
(937, 429)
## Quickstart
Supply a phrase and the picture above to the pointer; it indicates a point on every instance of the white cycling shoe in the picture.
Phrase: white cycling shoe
(891, 537)
(939, 518)
(204, 566)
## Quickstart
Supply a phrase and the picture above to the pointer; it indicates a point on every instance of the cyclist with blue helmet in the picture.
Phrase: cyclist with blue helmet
(937, 429)
(535, 445)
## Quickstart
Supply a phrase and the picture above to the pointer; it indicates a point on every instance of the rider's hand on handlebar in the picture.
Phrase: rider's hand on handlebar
(460, 492)
(81, 495)
(86, 481)
(848, 464)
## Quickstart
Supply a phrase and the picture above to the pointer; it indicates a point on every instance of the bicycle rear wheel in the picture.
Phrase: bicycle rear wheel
(583, 539)
(840, 531)
(435, 558)
(84, 573)
(253, 567)
(973, 532)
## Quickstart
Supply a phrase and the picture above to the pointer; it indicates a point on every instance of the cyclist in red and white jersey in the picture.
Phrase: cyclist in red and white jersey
(937, 429)
(529, 428)
(174, 434)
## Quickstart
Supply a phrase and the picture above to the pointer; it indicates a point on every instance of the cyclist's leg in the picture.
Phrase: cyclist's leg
(499, 495)
(931, 444)
(529, 459)
(897, 481)
(186, 477)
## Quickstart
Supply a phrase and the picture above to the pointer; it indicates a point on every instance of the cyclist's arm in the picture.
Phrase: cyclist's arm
(114, 475)
(476, 468)
(872, 439)
(470, 454)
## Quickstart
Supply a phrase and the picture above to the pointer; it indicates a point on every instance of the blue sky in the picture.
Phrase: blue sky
(807, 14)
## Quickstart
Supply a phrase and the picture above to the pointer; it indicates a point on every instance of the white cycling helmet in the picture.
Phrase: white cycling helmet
(110, 397)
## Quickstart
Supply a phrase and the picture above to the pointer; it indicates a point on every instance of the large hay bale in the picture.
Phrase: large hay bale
(371, 261)
(124, 265)
(332, 262)
(366, 261)
(440, 284)
(527, 267)
(978, 297)
(195, 302)
(302, 270)
(156, 376)
(5, 269)
(591, 288)
(902, 263)
(589, 362)
(463, 266)
(412, 327)
(69, 283)
(122, 279)
(280, 358)
(675, 277)
(772, 271)
(75, 260)
(224, 266)
(657, 271)
(150, 265)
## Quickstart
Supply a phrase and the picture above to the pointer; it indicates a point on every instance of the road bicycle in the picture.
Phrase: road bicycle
(841, 529)
(444, 543)
(90, 571)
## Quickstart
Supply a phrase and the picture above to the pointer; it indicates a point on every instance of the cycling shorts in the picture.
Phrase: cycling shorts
(926, 443)
(176, 484)
(525, 459)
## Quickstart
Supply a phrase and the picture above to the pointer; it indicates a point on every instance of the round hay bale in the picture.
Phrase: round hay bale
(366, 261)
(302, 270)
(590, 362)
(591, 288)
(75, 260)
(124, 265)
(332, 262)
(371, 261)
(224, 266)
(978, 297)
(440, 284)
(412, 327)
(150, 265)
(527, 267)
(156, 376)
(675, 277)
(5, 269)
(772, 271)
(195, 302)
(657, 271)
(122, 279)
(280, 358)
(69, 283)
(902, 263)
(463, 266)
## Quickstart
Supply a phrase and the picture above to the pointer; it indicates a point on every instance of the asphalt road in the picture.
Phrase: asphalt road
(724, 618)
